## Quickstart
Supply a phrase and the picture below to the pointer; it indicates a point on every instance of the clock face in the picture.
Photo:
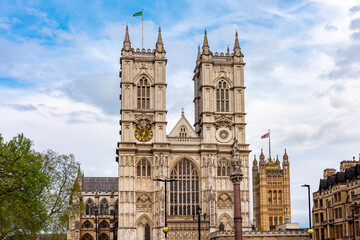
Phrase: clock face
(143, 134)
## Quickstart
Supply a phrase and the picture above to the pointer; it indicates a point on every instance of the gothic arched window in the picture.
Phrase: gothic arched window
(221, 227)
(280, 220)
(275, 221)
(104, 224)
(222, 97)
(147, 232)
(143, 168)
(87, 224)
(184, 193)
(143, 94)
(104, 207)
(223, 168)
(269, 198)
(87, 236)
(89, 207)
(274, 197)
(104, 236)
(183, 131)
(279, 198)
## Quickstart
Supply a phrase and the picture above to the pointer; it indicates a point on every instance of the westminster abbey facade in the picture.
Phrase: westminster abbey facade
(198, 158)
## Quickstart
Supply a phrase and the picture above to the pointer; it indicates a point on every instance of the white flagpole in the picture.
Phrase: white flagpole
(142, 29)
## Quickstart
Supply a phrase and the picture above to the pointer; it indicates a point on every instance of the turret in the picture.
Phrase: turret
(205, 48)
(127, 43)
(285, 159)
(237, 50)
(159, 43)
(262, 159)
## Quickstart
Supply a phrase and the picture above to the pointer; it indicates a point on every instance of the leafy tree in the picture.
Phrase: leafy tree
(62, 171)
(35, 190)
(22, 187)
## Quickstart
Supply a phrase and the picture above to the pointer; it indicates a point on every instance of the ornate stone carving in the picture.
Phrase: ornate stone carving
(143, 202)
(223, 121)
(225, 201)
(143, 120)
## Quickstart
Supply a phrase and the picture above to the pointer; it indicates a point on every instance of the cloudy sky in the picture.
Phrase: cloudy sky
(59, 67)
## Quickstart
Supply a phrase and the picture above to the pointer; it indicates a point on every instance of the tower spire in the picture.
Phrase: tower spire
(237, 49)
(205, 48)
(127, 43)
(159, 43)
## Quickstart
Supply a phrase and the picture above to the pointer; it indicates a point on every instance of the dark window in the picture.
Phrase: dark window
(144, 169)
(104, 207)
(143, 94)
(222, 97)
(147, 232)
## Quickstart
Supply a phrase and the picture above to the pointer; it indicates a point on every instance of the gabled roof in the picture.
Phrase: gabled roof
(101, 184)
(183, 122)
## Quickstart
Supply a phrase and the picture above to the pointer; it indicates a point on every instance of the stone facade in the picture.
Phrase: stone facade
(294, 234)
(271, 192)
(332, 214)
(198, 158)
(97, 193)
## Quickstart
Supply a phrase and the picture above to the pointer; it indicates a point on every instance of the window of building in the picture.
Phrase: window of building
(321, 217)
(279, 198)
(223, 168)
(321, 203)
(269, 198)
(322, 233)
(116, 208)
(89, 207)
(270, 221)
(104, 236)
(184, 193)
(275, 221)
(144, 168)
(104, 224)
(221, 227)
(222, 97)
(316, 203)
(274, 197)
(147, 232)
(87, 236)
(280, 220)
(143, 94)
(104, 207)
(183, 131)
(87, 224)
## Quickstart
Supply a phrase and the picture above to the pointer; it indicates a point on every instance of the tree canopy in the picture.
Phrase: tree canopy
(35, 189)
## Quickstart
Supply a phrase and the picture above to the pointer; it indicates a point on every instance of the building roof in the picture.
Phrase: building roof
(100, 184)
(340, 177)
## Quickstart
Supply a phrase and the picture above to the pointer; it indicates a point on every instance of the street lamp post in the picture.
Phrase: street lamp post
(96, 210)
(310, 231)
(198, 213)
(353, 207)
(165, 229)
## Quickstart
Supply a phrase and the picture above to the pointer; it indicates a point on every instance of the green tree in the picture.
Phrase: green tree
(62, 171)
(22, 190)
(36, 190)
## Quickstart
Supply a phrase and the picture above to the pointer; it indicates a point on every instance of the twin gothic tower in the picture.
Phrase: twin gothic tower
(198, 158)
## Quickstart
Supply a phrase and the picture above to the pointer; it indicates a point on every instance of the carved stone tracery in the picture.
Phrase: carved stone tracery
(143, 120)
(223, 121)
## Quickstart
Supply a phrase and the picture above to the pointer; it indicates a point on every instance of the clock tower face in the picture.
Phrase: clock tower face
(143, 134)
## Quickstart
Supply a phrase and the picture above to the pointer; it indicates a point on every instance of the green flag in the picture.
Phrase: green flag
(137, 14)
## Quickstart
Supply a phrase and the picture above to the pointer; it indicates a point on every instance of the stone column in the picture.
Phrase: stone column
(236, 177)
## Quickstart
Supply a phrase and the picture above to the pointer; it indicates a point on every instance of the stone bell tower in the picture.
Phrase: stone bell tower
(143, 128)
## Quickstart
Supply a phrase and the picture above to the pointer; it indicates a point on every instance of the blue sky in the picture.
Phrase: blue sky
(59, 65)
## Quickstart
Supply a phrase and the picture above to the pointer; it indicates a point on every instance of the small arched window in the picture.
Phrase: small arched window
(89, 207)
(87, 236)
(147, 232)
(104, 207)
(223, 168)
(143, 94)
(87, 224)
(269, 198)
(274, 197)
(222, 97)
(221, 227)
(143, 168)
(183, 131)
(279, 198)
(270, 221)
(275, 221)
(280, 220)
(104, 236)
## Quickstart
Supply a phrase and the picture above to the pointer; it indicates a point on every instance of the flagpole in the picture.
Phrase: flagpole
(269, 146)
(142, 29)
